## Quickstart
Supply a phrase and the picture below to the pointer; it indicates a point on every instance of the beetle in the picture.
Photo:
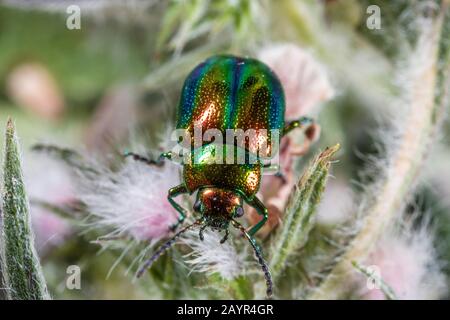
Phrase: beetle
(226, 92)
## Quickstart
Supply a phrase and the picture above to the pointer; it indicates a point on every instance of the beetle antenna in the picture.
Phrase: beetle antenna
(261, 261)
(166, 246)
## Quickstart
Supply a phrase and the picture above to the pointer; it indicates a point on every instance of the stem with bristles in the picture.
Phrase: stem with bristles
(20, 263)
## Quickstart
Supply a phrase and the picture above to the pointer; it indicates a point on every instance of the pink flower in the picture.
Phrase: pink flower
(407, 263)
(50, 230)
(114, 115)
(132, 200)
(304, 80)
(31, 86)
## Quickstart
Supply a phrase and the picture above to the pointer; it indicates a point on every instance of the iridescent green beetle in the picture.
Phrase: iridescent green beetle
(227, 93)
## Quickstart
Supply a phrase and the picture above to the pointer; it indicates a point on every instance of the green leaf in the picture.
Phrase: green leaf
(20, 264)
(298, 219)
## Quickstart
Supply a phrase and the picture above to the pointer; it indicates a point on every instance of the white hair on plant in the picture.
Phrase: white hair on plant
(408, 263)
(406, 141)
(337, 204)
(131, 200)
(305, 81)
(212, 257)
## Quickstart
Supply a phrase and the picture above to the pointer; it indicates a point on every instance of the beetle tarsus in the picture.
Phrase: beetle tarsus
(177, 224)
(225, 237)
(200, 233)
(302, 122)
(281, 176)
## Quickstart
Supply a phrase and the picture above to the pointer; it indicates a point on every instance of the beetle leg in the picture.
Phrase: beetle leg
(278, 174)
(262, 210)
(270, 166)
(225, 237)
(165, 155)
(173, 192)
(281, 176)
(303, 121)
(158, 162)
(200, 233)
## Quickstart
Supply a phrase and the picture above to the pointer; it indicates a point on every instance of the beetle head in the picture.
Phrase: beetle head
(218, 206)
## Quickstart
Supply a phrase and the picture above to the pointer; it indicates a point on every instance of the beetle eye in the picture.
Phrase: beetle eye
(197, 206)
(239, 212)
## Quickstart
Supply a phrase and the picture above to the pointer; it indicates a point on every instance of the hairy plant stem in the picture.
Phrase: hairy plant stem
(417, 129)
(300, 211)
(370, 275)
(20, 263)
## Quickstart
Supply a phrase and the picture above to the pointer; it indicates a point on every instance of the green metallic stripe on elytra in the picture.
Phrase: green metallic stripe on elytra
(260, 98)
(207, 95)
(188, 94)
